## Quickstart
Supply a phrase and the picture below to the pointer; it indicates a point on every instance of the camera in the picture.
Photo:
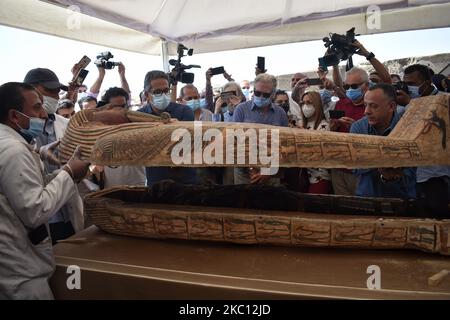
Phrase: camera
(340, 48)
(401, 86)
(103, 60)
(178, 73)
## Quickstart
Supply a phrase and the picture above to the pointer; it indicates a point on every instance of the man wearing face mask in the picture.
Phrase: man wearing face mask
(157, 92)
(47, 83)
(190, 97)
(432, 182)
(245, 87)
(28, 197)
(261, 110)
(355, 85)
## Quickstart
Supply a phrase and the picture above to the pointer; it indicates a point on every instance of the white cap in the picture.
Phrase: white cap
(429, 64)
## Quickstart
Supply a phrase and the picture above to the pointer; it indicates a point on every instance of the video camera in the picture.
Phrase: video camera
(178, 73)
(102, 60)
(340, 48)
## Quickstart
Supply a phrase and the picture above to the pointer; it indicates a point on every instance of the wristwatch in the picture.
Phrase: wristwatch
(370, 56)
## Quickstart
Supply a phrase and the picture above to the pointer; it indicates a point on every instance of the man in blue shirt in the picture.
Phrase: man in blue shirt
(380, 119)
(433, 182)
(261, 110)
(157, 93)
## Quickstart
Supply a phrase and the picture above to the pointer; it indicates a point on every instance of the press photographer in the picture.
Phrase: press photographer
(103, 63)
(355, 85)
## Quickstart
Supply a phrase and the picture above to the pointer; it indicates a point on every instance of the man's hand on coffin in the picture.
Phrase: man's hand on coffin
(256, 177)
(390, 174)
(76, 167)
(47, 153)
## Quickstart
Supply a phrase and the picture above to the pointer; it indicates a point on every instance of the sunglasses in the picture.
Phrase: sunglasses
(264, 94)
(353, 85)
(161, 91)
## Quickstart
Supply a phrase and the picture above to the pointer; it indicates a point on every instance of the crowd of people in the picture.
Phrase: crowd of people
(40, 198)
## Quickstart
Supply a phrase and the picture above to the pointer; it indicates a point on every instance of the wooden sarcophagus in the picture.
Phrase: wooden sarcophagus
(292, 219)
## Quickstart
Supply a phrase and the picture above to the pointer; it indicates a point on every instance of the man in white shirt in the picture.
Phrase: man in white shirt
(28, 197)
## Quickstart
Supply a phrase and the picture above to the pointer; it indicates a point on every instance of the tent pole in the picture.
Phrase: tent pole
(165, 55)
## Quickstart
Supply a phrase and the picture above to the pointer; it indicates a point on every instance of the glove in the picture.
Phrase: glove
(76, 167)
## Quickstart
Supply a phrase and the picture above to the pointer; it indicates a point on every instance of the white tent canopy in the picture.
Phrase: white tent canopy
(215, 25)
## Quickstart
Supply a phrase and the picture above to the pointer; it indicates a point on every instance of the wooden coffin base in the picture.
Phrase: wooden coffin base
(121, 267)
(112, 214)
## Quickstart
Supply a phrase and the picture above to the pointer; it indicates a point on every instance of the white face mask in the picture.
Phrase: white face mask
(50, 105)
(308, 110)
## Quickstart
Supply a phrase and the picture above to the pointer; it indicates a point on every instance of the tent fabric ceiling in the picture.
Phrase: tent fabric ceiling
(211, 25)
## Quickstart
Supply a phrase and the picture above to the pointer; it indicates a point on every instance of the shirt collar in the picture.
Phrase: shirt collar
(253, 107)
(395, 119)
(435, 90)
(169, 108)
(17, 135)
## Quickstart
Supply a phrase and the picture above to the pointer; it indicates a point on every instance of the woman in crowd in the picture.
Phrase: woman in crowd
(313, 118)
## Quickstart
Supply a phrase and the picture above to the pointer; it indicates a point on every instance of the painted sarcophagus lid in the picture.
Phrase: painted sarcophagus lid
(119, 137)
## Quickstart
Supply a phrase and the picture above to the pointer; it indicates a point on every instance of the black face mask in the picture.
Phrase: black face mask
(285, 106)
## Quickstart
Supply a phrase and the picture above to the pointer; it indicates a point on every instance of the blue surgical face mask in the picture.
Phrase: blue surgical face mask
(224, 109)
(203, 103)
(261, 102)
(161, 101)
(35, 129)
(246, 93)
(414, 92)
(354, 94)
(325, 95)
(194, 104)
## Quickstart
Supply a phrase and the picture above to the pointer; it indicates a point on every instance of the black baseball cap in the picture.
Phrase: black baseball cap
(44, 77)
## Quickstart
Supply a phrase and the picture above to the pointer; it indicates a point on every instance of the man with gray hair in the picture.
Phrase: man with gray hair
(355, 85)
(262, 110)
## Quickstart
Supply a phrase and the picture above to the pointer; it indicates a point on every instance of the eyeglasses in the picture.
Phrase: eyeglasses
(161, 91)
(264, 94)
(190, 98)
(353, 85)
